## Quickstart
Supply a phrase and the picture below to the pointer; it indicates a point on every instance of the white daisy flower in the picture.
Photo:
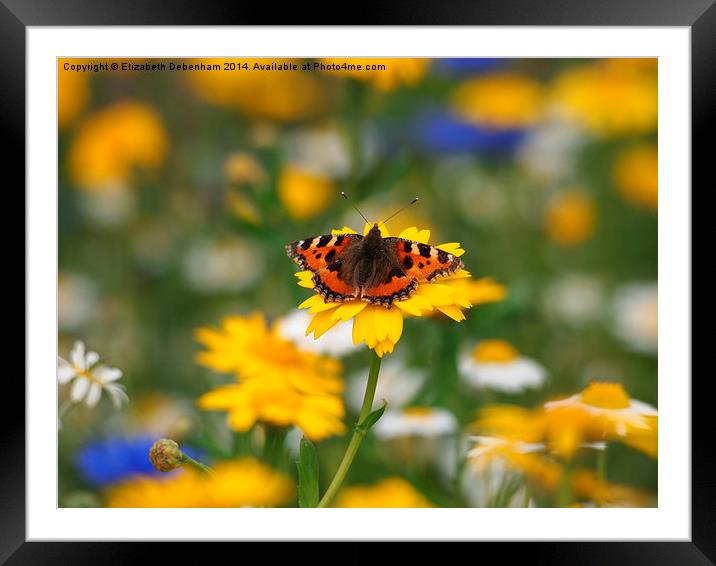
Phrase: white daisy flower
(496, 364)
(636, 316)
(398, 384)
(221, 265)
(337, 343)
(549, 152)
(321, 150)
(77, 300)
(493, 476)
(575, 299)
(416, 421)
(89, 379)
(110, 207)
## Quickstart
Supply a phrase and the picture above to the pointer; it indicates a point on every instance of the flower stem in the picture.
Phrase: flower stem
(358, 434)
(564, 494)
(65, 407)
(601, 472)
(198, 465)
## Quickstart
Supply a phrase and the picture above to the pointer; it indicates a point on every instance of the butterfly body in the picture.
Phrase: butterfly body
(372, 268)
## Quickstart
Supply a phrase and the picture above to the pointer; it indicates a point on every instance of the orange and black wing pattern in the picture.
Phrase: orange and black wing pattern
(322, 255)
(422, 261)
(319, 252)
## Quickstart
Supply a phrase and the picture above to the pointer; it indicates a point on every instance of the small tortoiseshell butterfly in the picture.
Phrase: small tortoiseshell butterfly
(372, 268)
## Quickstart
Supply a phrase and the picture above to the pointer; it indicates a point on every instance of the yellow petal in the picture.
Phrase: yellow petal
(409, 233)
(409, 306)
(420, 302)
(452, 248)
(320, 324)
(344, 230)
(436, 294)
(459, 274)
(384, 347)
(305, 279)
(423, 236)
(364, 329)
(313, 300)
(348, 310)
(453, 312)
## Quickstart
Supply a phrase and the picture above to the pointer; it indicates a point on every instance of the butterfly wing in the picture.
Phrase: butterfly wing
(323, 256)
(422, 261)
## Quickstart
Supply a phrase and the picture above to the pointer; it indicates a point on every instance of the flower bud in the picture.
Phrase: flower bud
(165, 455)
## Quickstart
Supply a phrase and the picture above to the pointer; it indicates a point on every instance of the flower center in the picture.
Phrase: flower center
(418, 411)
(87, 374)
(495, 351)
(605, 396)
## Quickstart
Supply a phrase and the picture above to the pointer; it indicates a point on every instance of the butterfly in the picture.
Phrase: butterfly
(372, 268)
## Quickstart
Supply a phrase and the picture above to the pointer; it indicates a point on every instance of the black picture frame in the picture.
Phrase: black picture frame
(699, 15)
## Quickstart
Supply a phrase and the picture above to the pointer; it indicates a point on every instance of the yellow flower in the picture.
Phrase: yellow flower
(636, 173)
(72, 92)
(283, 96)
(397, 72)
(602, 412)
(380, 327)
(249, 348)
(616, 415)
(239, 483)
(279, 383)
(500, 100)
(272, 401)
(111, 143)
(304, 194)
(242, 168)
(611, 97)
(390, 492)
(571, 218)
(586, 484)
(516, 455)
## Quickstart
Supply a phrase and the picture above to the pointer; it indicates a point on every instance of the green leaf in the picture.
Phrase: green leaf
(372, 418)
(307, 474)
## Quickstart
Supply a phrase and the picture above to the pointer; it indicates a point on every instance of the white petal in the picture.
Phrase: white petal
(65, 372)
(79, 389)
(93, 395)
(91, 359)
(117, 394)
(77, 355)
(106, 374)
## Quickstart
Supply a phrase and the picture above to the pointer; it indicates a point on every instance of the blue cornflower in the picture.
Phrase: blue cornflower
(112, 460)
(468, 65)
(445, 133)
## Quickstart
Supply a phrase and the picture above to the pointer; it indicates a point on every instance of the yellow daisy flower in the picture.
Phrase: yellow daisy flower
(246, 482)
(249, 348)
(380, 327)
(111, 143)
(390, 492)
(278, 383)
(271, 400)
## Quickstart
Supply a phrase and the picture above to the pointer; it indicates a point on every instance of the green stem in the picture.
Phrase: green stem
(358, 434)
(66, 407)
(601, 471)
(198, 465)
(564, 495)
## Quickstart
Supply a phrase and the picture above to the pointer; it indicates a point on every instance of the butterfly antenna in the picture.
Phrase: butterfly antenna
(416, 199)
(345, 196)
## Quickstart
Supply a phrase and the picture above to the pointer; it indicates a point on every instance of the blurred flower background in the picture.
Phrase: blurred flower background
(178, 190)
